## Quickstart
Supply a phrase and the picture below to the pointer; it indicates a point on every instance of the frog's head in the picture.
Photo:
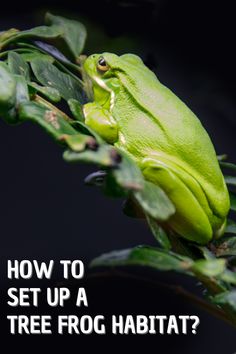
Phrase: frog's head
(99, 68)
(104, 70)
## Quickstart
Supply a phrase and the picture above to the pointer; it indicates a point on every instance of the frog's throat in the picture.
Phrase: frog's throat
(101, 84)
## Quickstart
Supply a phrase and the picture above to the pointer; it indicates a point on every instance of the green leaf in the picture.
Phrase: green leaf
(226, 247)
(22, 94)
(144, 256)
(230, 180)
(72, 32)
(50, 120)
(48, 75)
(226, 298)
(78, 142)
(41, 32)
(99, 155)
(7, 34)
(20, 51)
(17, 65)
(49, 92)
(159, 233)
(127, 174)
(209, 267)
(230, 227)
(13, 91)
(7, 87)
(7, 93)
(229, 165)
(232, 201)
(76, 109)
(30, 55)
(229, 277)
(154, 201)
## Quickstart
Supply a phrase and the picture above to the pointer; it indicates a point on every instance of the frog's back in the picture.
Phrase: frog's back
(182, 132)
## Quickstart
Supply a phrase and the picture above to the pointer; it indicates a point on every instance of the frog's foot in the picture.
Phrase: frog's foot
(101, 121)
(190, 220)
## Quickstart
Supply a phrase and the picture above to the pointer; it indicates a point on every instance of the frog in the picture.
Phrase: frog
(132, 110)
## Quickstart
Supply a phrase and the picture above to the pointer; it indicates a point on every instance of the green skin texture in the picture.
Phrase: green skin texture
(142, 117)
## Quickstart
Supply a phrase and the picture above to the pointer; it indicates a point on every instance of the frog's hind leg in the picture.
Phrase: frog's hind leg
(189, 220)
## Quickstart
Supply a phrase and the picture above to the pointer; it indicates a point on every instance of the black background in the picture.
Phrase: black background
(47, 212)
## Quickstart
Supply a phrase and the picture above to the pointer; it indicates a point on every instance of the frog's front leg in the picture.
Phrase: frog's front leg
(190, 219)
(99, 119)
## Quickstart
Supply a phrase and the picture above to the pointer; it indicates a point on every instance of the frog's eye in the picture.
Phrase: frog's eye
(102, 64)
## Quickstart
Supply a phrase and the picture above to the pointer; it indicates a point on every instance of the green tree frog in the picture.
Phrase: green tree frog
(142, 117)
